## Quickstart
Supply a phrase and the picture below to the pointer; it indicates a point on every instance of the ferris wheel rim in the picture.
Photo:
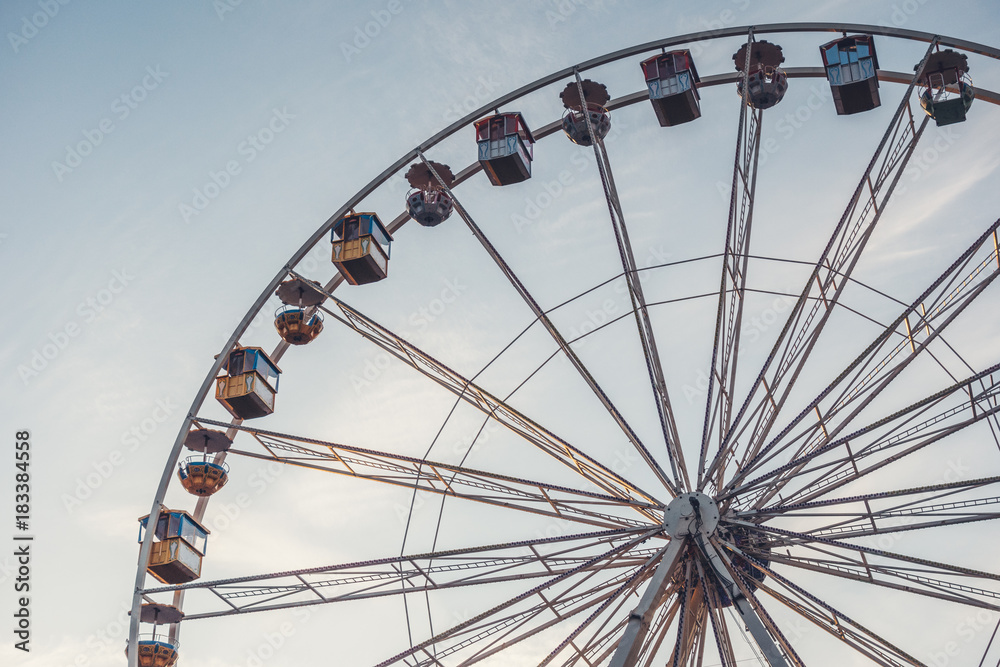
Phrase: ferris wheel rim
(401, 163)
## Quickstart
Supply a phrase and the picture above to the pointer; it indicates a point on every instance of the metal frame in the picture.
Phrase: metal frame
(882, 439)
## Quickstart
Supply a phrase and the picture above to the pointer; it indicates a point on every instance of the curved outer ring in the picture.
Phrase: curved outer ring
(769, 28)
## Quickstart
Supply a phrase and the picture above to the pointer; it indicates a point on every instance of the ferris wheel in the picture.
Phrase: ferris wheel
(691, 456)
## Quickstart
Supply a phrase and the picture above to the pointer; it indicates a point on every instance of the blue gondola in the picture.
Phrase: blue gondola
(505, 148)
(248, 388)
(851, 68)
(179, 547)
(361, 246)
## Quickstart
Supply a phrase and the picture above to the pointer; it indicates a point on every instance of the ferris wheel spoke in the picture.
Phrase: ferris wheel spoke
(893, 448)
(542, 317)
(900, 579)
(732, 287)
(929, 578)
(690, 624)
(800, 509)
(595, 651)
(903, 432)
(701, 638)
(631, 643)
(589, 652)
(659, 628)
(873, 371)
(808, 316)
(617, 597)
(828, 618)
(900, 519)
(690, 633)
(597, 563)
(604, 641)
(717, 619)
(497, 634)
(647, 339)
(441, 570)
(773, 644)
(601, 476)
(453, 481)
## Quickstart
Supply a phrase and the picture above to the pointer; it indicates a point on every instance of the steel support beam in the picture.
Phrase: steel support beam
(638, 622)
(773, 654)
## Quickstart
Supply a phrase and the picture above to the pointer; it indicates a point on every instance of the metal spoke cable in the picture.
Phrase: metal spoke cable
(893, 437)
(553, 331)
(838, 616)
(774, 448)
(832, 480)
(562, 451)
(625, 587)
(795, 345)
(727, 323)
(408, 472)
(803, 538)
(654, 367)
(989, 644)
(523, 596)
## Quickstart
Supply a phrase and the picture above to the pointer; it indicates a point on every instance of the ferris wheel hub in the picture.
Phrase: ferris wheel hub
(690, 513)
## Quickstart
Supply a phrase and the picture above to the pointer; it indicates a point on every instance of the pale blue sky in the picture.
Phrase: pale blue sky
(130, 296)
